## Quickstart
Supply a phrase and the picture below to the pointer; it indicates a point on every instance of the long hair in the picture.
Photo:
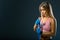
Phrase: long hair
(51, 13)
(47, 6)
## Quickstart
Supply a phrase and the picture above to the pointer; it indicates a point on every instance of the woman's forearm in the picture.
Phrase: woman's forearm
(47, 34)
(35, 27)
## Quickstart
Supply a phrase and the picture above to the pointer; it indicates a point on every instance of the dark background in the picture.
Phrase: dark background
(17, 18)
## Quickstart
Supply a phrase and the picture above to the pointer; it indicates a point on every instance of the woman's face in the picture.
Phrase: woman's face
(43, 11)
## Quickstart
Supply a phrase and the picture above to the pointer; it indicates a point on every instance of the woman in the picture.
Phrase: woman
(49, 21)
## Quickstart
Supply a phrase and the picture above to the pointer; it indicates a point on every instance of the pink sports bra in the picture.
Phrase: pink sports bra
(46, 26)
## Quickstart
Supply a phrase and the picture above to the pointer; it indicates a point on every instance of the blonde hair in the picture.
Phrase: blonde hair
(47, 6)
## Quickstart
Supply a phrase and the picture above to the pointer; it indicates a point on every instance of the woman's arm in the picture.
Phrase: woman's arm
(53, 27)
(36, 23)
(35, 26)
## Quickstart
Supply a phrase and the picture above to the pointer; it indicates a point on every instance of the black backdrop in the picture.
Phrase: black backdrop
(17, 18)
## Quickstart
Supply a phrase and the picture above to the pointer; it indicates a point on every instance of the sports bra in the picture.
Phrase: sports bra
(45, 26)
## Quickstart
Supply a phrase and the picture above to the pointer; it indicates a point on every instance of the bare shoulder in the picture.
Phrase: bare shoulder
(52, 19)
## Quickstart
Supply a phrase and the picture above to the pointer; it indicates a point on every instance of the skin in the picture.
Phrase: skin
(44, 16)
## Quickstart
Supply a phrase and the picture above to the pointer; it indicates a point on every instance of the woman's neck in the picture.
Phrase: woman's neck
(44, 16)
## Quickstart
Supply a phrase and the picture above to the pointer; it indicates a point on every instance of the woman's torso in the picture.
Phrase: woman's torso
(46, 26)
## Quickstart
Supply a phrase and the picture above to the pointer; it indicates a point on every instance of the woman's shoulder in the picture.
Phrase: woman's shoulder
(51, 19)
